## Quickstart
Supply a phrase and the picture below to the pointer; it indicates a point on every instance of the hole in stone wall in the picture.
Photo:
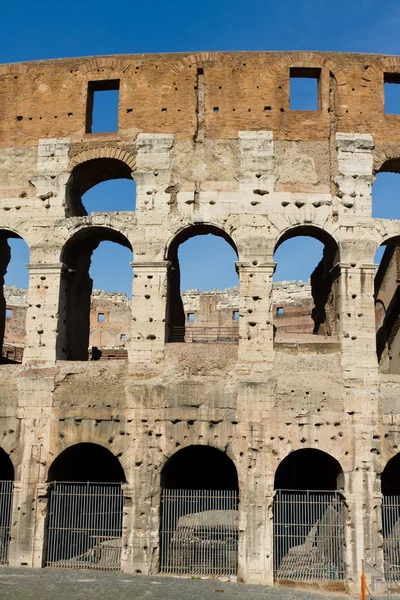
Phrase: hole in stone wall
(102, 106)
(304, 88)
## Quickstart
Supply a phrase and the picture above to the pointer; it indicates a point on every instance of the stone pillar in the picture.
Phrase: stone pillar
(42, 314)
(148, 311)
(52, 175)
(255, 312)
(42, 498)
(127, 565)
(354, 180)
(13, 551)
(354, 290)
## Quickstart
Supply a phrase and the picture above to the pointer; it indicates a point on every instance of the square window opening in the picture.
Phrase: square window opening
(100, 317)
(391, 83)
(9, 313)
(304, 89)
(280, 311)
(190, 318)
(102, 106)
(122, 336)
(235, 315)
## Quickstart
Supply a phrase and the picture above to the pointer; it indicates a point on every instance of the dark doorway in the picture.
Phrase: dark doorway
(199, 517)
(84, 524)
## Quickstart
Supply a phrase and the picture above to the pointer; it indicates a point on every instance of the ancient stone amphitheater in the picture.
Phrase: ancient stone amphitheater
(244, 455)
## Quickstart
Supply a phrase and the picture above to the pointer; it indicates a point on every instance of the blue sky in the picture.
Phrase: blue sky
(39, 30)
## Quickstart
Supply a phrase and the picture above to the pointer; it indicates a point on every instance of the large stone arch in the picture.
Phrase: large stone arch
(76, 289)
(175, 315)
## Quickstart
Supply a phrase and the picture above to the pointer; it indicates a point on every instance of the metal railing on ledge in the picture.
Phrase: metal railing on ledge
(12, 354)
(204, 334)
(108, 354)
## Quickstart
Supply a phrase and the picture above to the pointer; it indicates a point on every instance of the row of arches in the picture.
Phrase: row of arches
(200, 498)
(108, 185)
(208, 250)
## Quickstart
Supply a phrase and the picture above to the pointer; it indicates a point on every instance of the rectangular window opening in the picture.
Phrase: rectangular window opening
(190, 317)
(100, 317)
(235, 315)
(102, 106)
(280, 311)
(122, 336)
(391, 83)
(9, 313)
(304, 88)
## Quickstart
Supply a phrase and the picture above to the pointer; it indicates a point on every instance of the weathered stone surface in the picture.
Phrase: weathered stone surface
(214, 148)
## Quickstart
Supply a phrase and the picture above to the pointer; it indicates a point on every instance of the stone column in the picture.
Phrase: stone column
(354, 290)
(255, 311)
(42, 498)
(42, 314)
(127, 565)
(13, 550)
(354, 179)
(148, 311)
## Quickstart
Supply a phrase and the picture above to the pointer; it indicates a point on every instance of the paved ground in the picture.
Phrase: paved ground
(55, 584)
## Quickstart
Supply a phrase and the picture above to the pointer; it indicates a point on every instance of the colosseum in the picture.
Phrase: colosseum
(214, 447)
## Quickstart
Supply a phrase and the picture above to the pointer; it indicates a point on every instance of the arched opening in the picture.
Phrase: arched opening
(91, 317)
(14, 256)
(387, 306)
(84, 523)
(203, 299)
(86, 462)
(385, 205)
(199, 513)
(390, 482)
(308, 518)
(6, 498)
(304, 296)
(100, 185)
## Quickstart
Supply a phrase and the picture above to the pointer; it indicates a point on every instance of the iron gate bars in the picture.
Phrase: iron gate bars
(391, 537)
(85, 526)
(6, 497)
(199, 532)
(308, 536)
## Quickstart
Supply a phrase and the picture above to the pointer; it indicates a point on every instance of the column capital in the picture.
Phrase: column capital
(154, 266)
(344, 266)
(47, 268)
(264, 267)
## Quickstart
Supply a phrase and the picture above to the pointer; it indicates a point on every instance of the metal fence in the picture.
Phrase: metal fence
(6, 498)
(199, 532)
(391, 537)
(204, 334)
(85, 526)
(308, 536)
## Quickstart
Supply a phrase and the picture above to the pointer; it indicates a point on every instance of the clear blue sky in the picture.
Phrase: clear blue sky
(38, 30)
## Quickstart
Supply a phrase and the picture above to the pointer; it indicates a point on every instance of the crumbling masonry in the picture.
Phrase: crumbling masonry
(213, 147)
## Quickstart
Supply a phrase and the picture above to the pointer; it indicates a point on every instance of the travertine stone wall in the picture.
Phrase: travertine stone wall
(213, 147)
